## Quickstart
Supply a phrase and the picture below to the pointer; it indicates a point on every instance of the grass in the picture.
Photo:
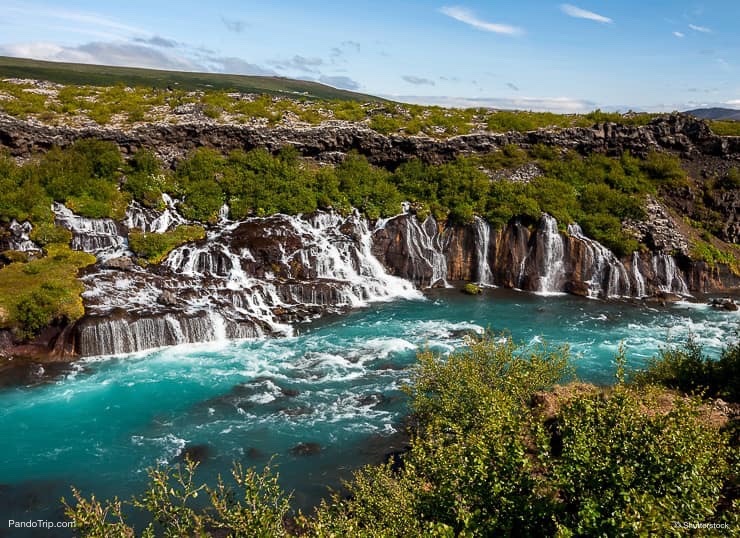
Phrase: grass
(154, 247)
(35, 293)
(725, 127)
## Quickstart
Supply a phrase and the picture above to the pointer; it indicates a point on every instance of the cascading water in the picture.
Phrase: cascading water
(152, 220)
(482, 247)
(19, 238)
(640, 289)
(219, 288)
(667, 274)
(604, 274)
(96, 236)
(551, 267)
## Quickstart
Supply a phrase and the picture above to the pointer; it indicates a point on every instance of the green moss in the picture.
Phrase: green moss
(40, 291)
(154, 247)
(471, 289)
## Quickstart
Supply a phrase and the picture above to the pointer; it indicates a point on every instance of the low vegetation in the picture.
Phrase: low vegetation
(154, 247)
(125, 105)
(37, 293)
(499, 449)
(91, 178)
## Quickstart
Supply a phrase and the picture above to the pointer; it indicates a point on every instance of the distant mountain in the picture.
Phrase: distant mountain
(104, 75)
(715, 113)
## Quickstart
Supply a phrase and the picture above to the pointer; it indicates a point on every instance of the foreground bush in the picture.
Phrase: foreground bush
(496, 452)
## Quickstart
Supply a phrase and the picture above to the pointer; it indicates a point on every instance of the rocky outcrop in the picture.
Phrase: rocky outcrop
(677, 133)
(658, 230)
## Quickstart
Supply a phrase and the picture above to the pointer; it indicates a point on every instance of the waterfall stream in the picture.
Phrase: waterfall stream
(261, 275)
(482, 246)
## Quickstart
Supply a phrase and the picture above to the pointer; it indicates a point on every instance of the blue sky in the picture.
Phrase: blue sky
(540, 55)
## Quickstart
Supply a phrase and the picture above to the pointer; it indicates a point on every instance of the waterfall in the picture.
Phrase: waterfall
(667, 274)
(20, 237)
(245, 280)
(553, 251)
(96, 236)
(425, 250)
(482, 247)
(640, 290)
(603, 272)
(151, 220)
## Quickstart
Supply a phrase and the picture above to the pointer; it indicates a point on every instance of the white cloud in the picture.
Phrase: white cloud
(418, 81)
(468, 17)
(92, 20)
(702, 29)
(733, 102)
(341, 82)
(578, 13)
(679, 34)
(546, 104)
(106, 53)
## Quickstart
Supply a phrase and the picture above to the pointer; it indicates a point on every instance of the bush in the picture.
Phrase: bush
(688, 369)
(46, 234)
(154, 247)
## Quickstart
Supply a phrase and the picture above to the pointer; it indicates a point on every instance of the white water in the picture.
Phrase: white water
(668, 275)
(20, 237)
(482, 248)
(553, 252)
(640, 290)
(96, 236)
(608, 276)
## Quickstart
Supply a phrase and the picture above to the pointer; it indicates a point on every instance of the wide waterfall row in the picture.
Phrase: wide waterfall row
(261, 275)
(546, 261)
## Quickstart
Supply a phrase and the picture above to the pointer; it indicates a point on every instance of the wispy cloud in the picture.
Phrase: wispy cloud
(679, 34)
(157, 41)
(578, 13)
(299, 63)
(468, 17)
(732, 102)
(341, 82)
(234, 25)
(93, 20)
(702, 29)
(106, 53)
(555, 104)
(512, 86)
(418, 81)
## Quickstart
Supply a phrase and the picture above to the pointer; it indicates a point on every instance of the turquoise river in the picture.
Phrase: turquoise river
(102, 422)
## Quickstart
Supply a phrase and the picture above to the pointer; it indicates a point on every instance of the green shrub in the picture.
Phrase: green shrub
(45, 234)
(688, 369)
(154, 247)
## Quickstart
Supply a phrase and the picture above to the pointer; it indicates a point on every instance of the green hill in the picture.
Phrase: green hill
(103, 75)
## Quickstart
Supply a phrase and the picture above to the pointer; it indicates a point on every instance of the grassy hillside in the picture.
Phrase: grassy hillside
(100, 75)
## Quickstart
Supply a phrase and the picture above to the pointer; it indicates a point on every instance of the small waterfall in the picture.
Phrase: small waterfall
(20, 237)
(482, 247)
(640, 290)
(667, 274)
(553, 252)
(96, 236)
(604, 274)
(425, 250)
(151, 220)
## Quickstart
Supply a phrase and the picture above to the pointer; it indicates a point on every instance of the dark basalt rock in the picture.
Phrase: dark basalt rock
(306, 449)
(195, 453)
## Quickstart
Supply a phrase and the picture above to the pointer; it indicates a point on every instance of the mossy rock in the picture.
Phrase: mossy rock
(471, 289)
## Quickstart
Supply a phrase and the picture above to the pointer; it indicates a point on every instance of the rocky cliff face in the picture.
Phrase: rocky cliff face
(260, 276)
(678, 133)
